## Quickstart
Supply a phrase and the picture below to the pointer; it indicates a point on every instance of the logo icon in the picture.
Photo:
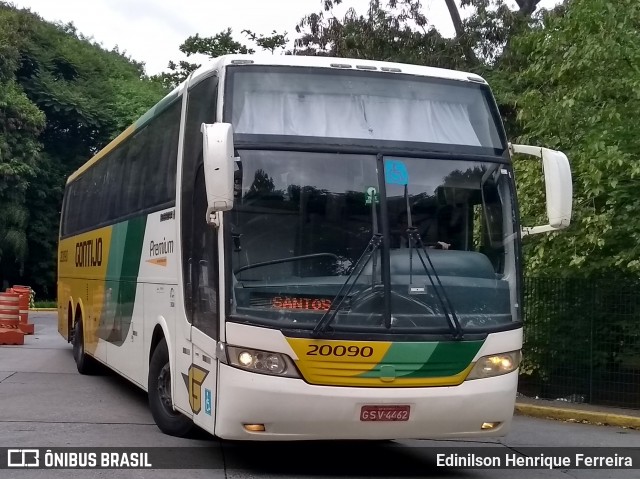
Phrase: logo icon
(193, 381)
(207, 401)
(23, 458)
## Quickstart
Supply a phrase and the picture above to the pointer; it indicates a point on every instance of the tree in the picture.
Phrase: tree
(20, 124)
(580, 92)
(270, 43)
(62, 98)
(221, 43)
(400, 31)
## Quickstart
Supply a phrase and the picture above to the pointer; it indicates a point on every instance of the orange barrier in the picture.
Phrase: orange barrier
(9, 306)
(25, 298)
(10, 332)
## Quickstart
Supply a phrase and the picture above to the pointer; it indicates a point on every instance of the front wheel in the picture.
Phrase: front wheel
(160, 399)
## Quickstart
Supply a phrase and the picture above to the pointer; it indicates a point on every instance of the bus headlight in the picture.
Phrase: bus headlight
(257, 361)
(495, 365)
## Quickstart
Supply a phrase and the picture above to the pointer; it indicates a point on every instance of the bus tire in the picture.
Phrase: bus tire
(85, 363)
(169, 421)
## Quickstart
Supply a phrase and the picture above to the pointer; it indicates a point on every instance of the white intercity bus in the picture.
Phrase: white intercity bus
(292, 248)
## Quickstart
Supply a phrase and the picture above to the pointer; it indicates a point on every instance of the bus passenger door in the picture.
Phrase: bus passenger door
(200, 258)
(204, 309)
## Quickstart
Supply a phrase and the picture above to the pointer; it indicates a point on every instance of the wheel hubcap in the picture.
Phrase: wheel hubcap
(164, 388)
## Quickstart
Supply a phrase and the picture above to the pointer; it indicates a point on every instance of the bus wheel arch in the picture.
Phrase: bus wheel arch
(157, 336)
(70, 319)
(169, 421)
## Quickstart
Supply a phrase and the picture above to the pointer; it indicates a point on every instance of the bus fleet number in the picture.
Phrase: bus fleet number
(339, 350)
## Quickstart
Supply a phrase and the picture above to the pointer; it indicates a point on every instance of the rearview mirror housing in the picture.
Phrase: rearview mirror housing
(219, 163)
(558, 187)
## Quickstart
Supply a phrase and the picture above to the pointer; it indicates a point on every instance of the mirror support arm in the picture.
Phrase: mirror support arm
(534, 230)
(213, 217)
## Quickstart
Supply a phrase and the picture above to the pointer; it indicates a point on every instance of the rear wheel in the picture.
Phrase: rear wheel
(160, 398)
(85, 363)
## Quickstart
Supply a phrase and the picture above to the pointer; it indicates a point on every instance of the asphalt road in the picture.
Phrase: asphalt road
(44, 403)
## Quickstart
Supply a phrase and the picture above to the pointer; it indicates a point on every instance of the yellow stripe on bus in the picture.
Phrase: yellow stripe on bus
(113, 144)
(362, 363)
(82, 266)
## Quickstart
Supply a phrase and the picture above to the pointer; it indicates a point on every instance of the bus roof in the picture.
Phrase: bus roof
(219, 63)
(336, 63)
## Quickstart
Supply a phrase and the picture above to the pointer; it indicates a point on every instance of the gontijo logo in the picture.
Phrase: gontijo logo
(89, 253)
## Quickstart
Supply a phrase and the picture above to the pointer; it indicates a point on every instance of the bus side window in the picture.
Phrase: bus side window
(204, 264)
(197, 243)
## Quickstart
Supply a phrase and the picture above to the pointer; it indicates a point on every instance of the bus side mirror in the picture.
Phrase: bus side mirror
(558, 186)
(219, 163)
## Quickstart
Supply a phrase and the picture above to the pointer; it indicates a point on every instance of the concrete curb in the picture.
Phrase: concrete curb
(39, 310)
(565, 414)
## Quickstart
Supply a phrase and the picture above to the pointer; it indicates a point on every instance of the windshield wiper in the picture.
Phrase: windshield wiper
(369, 253)
(339, 299)
(440, 291)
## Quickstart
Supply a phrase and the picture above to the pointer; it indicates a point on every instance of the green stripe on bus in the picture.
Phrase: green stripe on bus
(116, 251)
(448, 359)
(426, 360)
(126, 254)
(112, 281)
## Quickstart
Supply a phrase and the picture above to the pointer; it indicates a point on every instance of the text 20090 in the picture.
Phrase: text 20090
(340, 350)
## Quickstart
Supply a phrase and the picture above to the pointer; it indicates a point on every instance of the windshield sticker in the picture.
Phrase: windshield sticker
(371, 195)
(395, 172)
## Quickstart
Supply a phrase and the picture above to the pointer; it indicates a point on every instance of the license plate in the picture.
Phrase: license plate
(385, 413)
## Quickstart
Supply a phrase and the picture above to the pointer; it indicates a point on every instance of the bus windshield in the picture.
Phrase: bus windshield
(302, 220)
(356, 105)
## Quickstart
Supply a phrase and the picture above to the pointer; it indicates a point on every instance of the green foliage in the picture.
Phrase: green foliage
(220, 44)
(572, 83)
(80, 88)
(44, 305)
(271, 43)
(398, 33)
(399, 30)
(62, 98)
(20, 124)
(580, 92)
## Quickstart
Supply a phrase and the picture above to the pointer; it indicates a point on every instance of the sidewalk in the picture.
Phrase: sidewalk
(575, 412)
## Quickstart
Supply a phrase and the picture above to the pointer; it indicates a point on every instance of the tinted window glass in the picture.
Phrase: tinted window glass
(201, 108)
(323, 103)
(139, 175)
